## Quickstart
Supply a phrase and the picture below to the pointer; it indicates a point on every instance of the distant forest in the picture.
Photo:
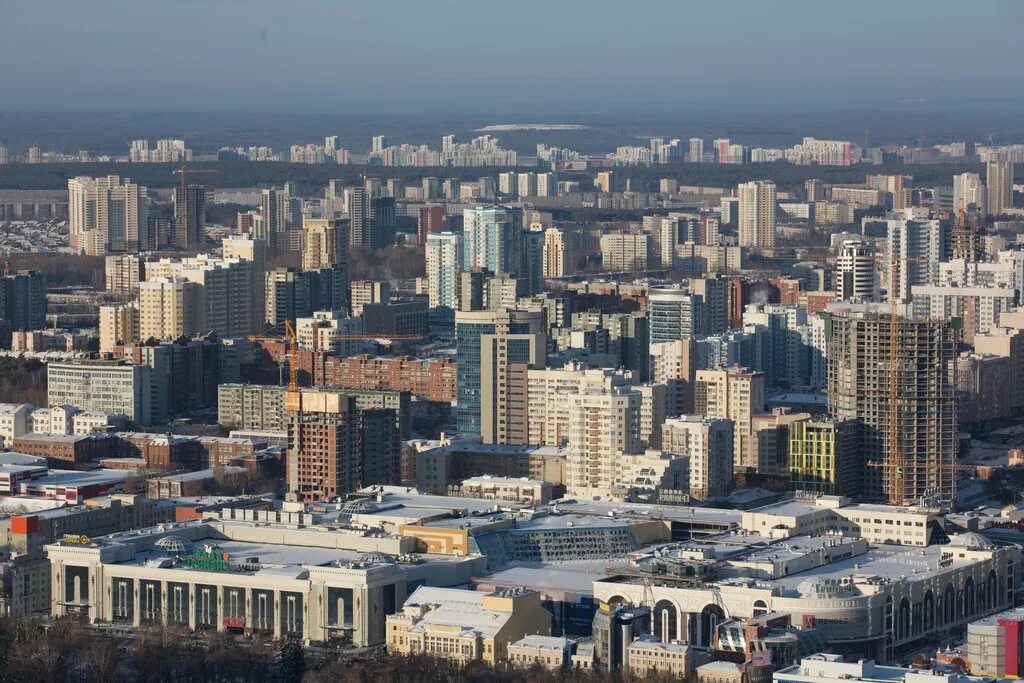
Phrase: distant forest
(312, 179)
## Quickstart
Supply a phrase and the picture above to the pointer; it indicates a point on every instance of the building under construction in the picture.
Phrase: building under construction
(919, 450)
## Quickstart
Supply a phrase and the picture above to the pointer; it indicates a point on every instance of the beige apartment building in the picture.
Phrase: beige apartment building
(169, 308)
(736, 394)
(118, 323)
(603, 425)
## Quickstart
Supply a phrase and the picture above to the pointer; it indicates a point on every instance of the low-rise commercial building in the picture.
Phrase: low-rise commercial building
(466, 625)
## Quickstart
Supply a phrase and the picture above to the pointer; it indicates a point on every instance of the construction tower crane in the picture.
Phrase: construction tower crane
(292, 353)
(185, 170)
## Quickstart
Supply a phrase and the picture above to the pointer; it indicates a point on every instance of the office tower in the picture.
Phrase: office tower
(674, 364)
(531, 269)
(322, 444)
(383, 221)
(554, 254)
(272, 226)
(737, 394)
(431, 188)
(709, 443)
(666, 238)
(106, 215)
(169, 308)
(696, 154)
(999, 180)
(604, 424)
(675, 314)
(122, 273)
(918, 245)
(606, 182)
(378, 143)
(814, 190)
(492, 239)
(625, 252)
(968, 192)
(757, 213)
(470, 328)
(119, 324)
(714, 292)
(357, 200)
(23, 300)
(855, 272)
(108, 387)
(442, 259)
(431, 219)
(505, 359)
(860, 387)
(190, 217)
(824, 457)
(472, 285)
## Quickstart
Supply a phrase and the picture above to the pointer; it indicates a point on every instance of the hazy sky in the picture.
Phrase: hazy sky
(547, 56)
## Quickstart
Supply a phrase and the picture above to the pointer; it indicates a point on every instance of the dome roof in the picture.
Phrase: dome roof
(174, 545)
(971, 541)
(360, 505)
(377, 558)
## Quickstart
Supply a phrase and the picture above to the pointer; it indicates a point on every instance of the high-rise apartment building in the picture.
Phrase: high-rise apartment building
(757, 213)
(855, 272)
(470, 328)
(625, 252)
(918, 244)
(674, 364)
(675, 313)
(322, 444)
(492, 239)
(547, 392)
(968, 192)
(106, 215)
(824, 457)
(272, 226)
(324, 244)
(604, 425)
(190, 217)
(123, 273)
(696, 153)
(170, 308)
(431, 219)
(709, 443)
(921, 401)
(505, 360)
(555, 254)
(23, 300)
(737, 394)
(230, 296)
(814, 190)
(443, 252)
(365, 292)
(999, 180)
(119, 324)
